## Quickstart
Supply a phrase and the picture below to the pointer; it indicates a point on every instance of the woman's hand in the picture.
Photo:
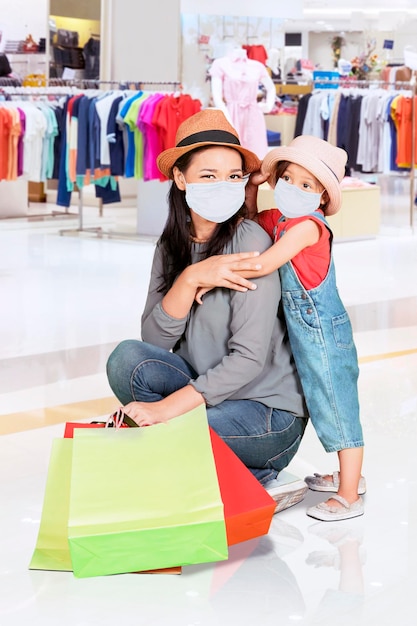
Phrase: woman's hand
(144, 413)
(177, 403)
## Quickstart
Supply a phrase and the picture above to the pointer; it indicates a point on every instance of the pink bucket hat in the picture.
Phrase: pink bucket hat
(319, 157)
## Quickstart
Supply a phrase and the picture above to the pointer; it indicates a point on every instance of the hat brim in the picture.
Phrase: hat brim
(311, 163)
(167, 159)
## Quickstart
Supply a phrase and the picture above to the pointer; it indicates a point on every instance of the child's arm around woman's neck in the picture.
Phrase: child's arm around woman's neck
(301, 236)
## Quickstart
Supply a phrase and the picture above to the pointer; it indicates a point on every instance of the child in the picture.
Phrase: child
(306, 179)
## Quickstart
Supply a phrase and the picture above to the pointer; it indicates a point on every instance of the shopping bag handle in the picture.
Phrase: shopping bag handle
(120, 420)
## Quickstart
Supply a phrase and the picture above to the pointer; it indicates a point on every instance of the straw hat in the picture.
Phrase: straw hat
(324, 161)
(209, 127)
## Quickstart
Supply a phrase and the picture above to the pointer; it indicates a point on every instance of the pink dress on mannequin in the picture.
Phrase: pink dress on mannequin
(240, 83)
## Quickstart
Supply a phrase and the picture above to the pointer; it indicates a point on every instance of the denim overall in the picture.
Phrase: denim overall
(321, 339)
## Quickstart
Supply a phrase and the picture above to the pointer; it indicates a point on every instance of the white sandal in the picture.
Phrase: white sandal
(319, 483)
(329, 513)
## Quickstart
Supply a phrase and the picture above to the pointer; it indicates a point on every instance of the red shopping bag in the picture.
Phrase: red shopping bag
(248, 508)
(69, 427)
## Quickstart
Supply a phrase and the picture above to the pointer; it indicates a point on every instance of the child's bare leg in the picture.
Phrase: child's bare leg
(348, 482)
(350, 462)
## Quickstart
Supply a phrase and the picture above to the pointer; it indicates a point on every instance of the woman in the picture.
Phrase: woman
(231, 353)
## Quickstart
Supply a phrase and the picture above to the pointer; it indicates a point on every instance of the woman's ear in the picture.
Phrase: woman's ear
(179, 178)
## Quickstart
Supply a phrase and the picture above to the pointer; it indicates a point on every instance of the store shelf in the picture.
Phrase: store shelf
(292, 89)
(283, 123)
(23, 64)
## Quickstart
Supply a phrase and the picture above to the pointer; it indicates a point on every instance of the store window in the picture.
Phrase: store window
(74, 39)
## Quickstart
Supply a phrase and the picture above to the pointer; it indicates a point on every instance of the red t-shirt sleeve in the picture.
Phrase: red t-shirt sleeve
(268, 220)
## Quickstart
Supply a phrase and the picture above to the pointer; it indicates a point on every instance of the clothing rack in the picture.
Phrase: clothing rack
(11, 90)
(347, 83)
(92, 84)
(58, 87)
(89, 83)
(410, 85)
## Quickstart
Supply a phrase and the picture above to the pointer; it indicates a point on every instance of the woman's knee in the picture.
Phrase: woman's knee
(123, 354)
(120, 365)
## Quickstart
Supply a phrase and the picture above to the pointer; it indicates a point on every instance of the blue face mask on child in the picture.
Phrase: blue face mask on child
(293, 201)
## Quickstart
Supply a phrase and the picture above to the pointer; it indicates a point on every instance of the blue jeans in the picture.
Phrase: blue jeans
(265, 439)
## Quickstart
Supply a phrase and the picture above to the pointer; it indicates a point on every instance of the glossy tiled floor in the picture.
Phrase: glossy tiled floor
(65, 302)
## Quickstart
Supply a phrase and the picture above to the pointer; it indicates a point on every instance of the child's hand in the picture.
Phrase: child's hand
(257, 178)
(222, 270)
(251, 192)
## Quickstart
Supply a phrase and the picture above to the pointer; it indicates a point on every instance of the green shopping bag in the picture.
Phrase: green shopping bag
(52, 549)
(145, 498)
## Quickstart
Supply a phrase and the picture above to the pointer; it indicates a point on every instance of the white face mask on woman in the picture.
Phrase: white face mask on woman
(216, 202)
(293, 201)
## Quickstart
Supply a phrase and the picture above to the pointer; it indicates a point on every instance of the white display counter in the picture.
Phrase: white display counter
(13, 198)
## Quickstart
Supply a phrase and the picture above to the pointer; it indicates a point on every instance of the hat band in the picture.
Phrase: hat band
(215, 136)
(329, 168)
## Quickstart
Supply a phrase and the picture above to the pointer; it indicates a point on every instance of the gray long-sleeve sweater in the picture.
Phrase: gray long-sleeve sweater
(234, 341)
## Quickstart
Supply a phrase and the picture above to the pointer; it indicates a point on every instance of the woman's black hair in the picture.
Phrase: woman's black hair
(175, 241)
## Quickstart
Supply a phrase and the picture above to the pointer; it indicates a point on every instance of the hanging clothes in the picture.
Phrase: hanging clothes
(130, 118)
(332, 132)
(256, 52)
(26, 132)
(372, 125)
(129, 134)
(317, 115)
(91, 54)
(115, 139)
(406, 133)
(301, 114)
(392, 164)
(7, 123)
(169, 113)
(151, 139)
(371, 131)
(90, 137)
(348, 128)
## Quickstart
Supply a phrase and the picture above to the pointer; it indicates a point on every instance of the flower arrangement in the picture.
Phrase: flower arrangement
(336, 45)
(366, 62)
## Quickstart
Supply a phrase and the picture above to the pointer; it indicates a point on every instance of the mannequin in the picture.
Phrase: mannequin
(235, 81)
(273, 62)
(237, 53)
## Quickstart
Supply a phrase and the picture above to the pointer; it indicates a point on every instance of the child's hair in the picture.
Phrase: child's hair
(280, 169)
